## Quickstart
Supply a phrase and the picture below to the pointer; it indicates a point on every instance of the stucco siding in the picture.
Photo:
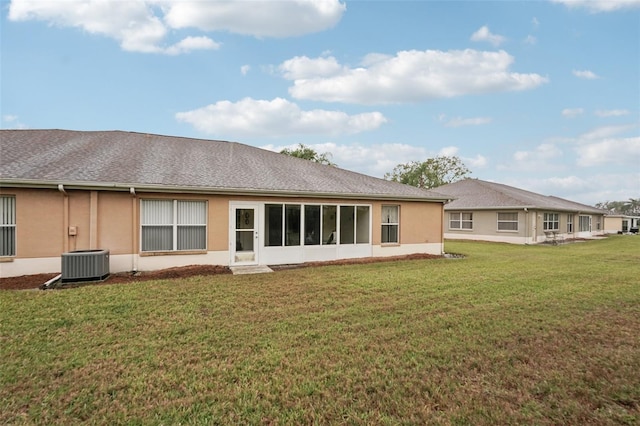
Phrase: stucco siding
(50, 222)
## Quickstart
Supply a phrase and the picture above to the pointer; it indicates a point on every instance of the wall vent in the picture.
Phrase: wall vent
(85, 265)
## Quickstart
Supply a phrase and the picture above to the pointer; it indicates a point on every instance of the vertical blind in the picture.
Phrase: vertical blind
(7, 226)
(170, 225)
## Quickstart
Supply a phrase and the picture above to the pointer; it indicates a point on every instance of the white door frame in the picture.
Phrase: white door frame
(238, 256)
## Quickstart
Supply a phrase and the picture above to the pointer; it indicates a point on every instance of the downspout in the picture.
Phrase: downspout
(134, 229)
(93, 220)
(526, 225)
(442, 226)
(65, 218)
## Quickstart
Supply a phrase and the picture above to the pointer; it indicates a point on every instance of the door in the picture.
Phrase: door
(244, 235)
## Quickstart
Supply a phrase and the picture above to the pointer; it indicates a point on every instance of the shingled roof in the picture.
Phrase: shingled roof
(475, 194)
(120, 160)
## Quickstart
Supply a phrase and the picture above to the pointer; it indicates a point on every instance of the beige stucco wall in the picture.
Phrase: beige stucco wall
(110, 220)
(613, 224)
(39, 222)
(485, 227)
(530, 227)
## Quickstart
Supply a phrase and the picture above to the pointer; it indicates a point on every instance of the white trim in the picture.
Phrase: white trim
(258, 228)
(504, 237)
(405, 249)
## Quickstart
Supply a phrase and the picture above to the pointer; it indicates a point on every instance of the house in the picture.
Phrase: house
(490, 211)
(618, 223)
(159, 201)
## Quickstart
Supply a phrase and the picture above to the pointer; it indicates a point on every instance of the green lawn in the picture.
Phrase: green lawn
(507, 335)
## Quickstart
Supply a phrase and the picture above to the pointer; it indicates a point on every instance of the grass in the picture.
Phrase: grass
(507, 335)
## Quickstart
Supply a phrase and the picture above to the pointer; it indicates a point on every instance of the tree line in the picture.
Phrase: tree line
(428, 174)
(441, 170)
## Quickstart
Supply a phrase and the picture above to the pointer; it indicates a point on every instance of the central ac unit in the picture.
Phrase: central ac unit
(85, 265)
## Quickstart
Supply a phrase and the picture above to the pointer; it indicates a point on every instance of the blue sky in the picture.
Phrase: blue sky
(542, 95)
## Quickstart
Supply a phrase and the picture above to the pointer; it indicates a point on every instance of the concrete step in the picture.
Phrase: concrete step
(250, 269)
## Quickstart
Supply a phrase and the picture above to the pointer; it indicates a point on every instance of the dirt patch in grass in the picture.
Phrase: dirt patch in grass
(26, 282)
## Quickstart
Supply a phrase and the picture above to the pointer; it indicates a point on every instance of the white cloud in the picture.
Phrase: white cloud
(483, 34)
(277, 117)
(409, 76)
(609, 151)
(378, 159)
(192, 43)
(605, 132)
(13, 122)
(612, 113)
(589, 189)
(302, 67)
(448, 151)
(373, 160)
(572, 112)
(535, 23)
(255, 18)
(585, 74)
(477, 162)
(542, 153)
(143, 26)
(460, 122)
(530, 40)
(600, 5)
(244, 70)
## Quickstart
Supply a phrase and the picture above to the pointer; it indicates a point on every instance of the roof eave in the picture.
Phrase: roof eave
(113, 186)
(540, 208)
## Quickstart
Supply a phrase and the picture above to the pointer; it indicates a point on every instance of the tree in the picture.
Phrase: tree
(630, 207)
(431, 173)
(308, 153)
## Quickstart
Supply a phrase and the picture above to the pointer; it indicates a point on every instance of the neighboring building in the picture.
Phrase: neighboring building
(494, 212)
(159, 201)
(617, 223)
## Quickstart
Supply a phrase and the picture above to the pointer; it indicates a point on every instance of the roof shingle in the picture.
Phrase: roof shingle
(477, 194)
(131, 159)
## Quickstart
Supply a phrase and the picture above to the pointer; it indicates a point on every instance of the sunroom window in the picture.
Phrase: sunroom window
(326, 224)
(173, 225)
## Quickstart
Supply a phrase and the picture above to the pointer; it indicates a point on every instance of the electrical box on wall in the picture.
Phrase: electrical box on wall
(73, 231)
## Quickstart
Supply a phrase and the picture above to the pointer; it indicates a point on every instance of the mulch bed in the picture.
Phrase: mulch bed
(30, 282)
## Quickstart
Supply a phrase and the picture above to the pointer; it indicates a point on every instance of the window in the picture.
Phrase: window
(323, 224)
(273, 224)
(347, 222)
(508, 221)
(279, 220)
(292, 224)
(551, 222)
(311, 225)
(584, 223)
(354, 224)
(460, 220)
(7, 226)
(570, 223)
(329, 221)
(362, 225)
(390, 223)
(173, 225)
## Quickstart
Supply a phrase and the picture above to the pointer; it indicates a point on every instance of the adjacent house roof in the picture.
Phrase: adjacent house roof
(123, 160)
(475, 194)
